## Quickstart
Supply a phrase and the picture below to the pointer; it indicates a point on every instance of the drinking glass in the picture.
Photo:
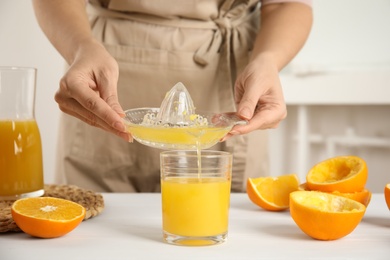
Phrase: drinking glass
(195, 190)
(21, 166)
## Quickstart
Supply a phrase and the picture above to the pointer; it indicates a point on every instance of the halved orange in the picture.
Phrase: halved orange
(303, 186)
(387, 194)
(363, 196)
(341, 173)
(272, 193)
(47, 217)
(325, 216)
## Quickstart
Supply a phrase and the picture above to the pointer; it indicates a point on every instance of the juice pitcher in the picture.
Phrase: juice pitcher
(21, 165)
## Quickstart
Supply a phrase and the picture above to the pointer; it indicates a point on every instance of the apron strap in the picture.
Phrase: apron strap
(226, 24)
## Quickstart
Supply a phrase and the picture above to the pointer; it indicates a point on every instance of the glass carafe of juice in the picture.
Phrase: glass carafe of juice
(21, 164)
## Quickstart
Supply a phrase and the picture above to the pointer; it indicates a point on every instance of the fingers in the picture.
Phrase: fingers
(109, 93)
(259, 99)
(74, 108)
(265, 118)
(248, 100)
(93, 107)
(88, 90)
(92, 98)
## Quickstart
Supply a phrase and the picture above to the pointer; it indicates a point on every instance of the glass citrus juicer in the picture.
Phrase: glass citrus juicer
(176, 125)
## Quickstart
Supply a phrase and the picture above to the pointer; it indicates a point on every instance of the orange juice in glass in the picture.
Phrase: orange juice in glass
(195, 200)
(21, 166)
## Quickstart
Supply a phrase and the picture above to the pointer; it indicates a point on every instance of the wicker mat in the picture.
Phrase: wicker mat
(93, 203)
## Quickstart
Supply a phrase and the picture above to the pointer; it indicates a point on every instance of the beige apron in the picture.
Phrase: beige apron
(205, 49)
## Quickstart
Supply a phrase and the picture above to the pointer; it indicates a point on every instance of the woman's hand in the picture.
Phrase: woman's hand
(258, 93)
(88, 90)
(259, 97)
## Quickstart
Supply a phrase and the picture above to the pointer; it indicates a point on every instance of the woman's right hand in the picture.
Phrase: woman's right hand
(88, 90)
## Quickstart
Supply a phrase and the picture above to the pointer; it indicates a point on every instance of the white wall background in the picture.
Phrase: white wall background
(348, 35)
(347, 57)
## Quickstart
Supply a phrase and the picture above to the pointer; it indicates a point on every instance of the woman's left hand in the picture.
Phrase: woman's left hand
(259, 97)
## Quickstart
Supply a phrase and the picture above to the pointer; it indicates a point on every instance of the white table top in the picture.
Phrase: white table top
(130, 228)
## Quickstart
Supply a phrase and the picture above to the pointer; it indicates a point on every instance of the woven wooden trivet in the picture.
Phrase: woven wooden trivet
(93, 203)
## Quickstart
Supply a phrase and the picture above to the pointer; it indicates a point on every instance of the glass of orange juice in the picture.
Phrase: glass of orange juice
(21, 166)
(195, 190)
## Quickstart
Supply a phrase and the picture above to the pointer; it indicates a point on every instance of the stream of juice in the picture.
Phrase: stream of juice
(21, 167)
(199, 162)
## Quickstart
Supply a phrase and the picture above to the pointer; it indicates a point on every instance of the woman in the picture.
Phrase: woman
(128, 54)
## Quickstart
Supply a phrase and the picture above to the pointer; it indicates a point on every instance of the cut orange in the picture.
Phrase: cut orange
(342, 173)
(303, 186)
(387, 194)
(363, 196)
(47, 217)
(272, 193)
(325, 216)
